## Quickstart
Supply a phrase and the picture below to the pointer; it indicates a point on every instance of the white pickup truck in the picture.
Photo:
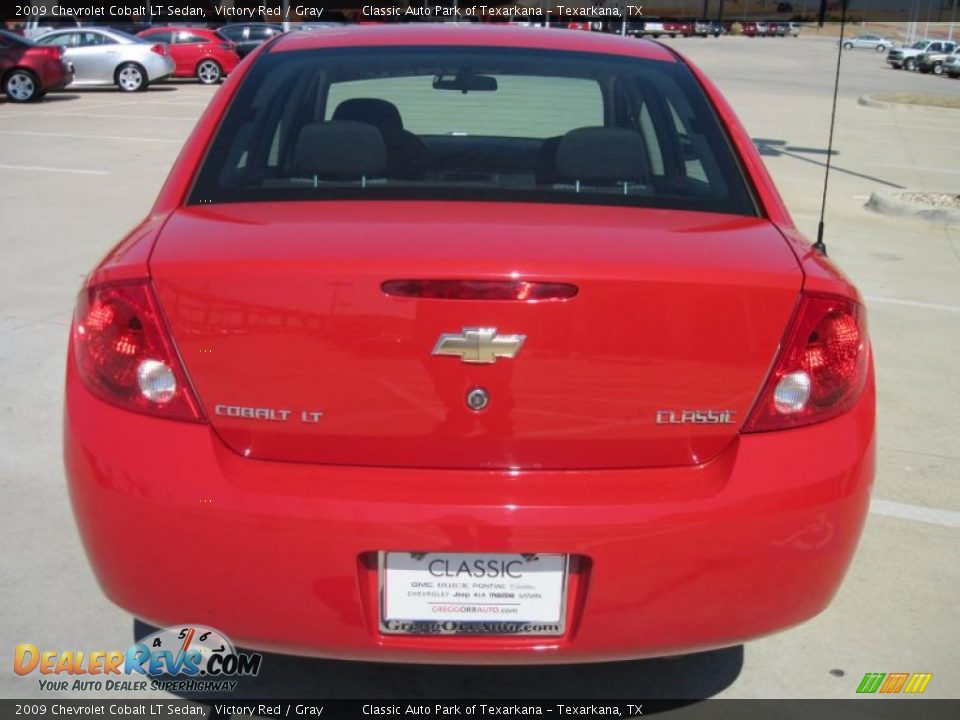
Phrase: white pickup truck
(906, 57)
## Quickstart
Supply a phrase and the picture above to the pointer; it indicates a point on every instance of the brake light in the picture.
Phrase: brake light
(480, 290)
(821, 369)
(124, 353)
(159, 49)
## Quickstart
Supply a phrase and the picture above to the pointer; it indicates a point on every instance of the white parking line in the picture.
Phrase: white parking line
(90, 137)
(918, 168)
(125, 117)
(52, 112)
(919, 513)
(913, 303)
(40, 168)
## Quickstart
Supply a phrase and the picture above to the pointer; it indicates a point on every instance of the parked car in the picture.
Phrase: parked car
(906, 57)
(360, 348)
(868, 41)
(656, 28)
(200, 53)
(109, 57)
(249, 36)
(932, 62)
(794, 29)
(951, 64)
(29, 71)
(674, 27)
(703, 28)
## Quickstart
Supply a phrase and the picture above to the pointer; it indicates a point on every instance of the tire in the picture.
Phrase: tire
(131, 77)
(938, 69)
(209, 72)
(909, 64)
(22, 86)
(881, 48)
(848, 46)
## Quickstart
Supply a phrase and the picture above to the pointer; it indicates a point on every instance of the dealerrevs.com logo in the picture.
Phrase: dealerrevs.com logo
(188, 658)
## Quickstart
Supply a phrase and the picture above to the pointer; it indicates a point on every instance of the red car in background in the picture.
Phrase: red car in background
(204, 54)
(451, 387)
(674, 27)
(29, 71)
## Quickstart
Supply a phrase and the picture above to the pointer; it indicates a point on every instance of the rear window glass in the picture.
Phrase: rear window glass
(472, 124)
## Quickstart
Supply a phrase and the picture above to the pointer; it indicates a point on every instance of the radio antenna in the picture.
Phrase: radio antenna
(819, 245)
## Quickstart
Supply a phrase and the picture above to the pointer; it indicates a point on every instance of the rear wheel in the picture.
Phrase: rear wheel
(130, 77)
(938, 69)
(209, 72)
(22, 86)
(881, 48)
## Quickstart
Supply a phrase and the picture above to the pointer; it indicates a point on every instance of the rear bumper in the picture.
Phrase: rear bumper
(280, 556)
(159, 68)
(54, 75)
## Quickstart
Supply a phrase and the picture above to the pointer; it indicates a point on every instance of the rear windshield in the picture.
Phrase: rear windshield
(472, 124)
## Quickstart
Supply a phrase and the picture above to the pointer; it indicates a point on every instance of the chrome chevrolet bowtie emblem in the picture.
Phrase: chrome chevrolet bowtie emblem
(479, 345)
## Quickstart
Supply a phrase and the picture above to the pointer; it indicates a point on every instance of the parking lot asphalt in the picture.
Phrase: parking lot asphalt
(81, 168)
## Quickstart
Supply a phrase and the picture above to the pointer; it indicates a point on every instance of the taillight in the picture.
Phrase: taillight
(159, 49)
(821, 369)
(124, 353)
(228, 46)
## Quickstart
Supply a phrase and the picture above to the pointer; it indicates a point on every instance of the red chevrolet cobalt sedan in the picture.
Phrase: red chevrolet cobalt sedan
(473, 345)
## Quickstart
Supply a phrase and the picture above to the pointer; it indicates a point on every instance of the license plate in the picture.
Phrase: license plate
(472, 593)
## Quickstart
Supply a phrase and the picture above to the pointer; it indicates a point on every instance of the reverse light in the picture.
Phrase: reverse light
(124, 353)
(821, 369)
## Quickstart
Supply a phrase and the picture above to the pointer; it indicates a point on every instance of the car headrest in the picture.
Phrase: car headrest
(602, 155)
(377, 112)
(340, 150)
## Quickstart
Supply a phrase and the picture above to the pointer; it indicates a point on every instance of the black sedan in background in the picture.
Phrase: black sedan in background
(247, 36)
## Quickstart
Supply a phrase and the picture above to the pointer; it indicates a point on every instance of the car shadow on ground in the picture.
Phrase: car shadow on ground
(686, 678)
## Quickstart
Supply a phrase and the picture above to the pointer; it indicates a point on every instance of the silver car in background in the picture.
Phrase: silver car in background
(102, 56)
(868, 41)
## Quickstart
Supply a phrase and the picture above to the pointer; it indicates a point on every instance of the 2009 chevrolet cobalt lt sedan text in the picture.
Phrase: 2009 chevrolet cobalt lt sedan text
(475, 345)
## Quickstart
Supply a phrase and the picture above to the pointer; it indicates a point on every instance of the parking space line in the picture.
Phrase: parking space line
(41, 168)
(127, 117)
(913, 303)
(919, 168)
(90, 137)
(917, 513)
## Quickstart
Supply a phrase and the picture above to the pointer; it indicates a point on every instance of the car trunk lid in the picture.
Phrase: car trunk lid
(298, 354)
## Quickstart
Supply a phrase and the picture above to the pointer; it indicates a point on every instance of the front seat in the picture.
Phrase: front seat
(407, 156)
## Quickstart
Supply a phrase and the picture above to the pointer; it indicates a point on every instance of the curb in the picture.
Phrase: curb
(871, 101)
(868, 101)
(885, 203)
